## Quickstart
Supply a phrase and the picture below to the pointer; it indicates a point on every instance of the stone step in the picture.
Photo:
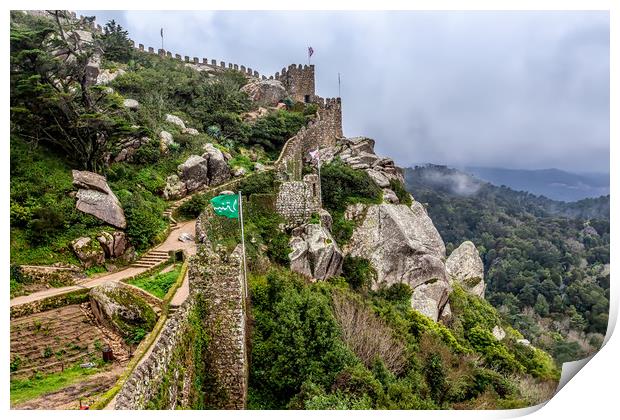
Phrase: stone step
(144, 265)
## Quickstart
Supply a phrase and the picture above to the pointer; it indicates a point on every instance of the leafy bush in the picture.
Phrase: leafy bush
(359, 273)
(296, 338)
(399, 189)
(258, 183)
(194, 206)
(273, 130)
(342, 185)
(144, 218)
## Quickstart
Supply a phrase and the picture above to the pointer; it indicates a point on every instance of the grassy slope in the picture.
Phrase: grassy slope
(27, 389)
(158, 284)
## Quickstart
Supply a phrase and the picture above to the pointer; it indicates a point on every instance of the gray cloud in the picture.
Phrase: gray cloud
(509, 89)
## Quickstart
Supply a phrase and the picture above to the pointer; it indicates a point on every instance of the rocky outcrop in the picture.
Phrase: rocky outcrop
(465, 267)
(198, 172)
(175, 188)
(114, 244)
(128, 147)
(89, 252)
(173, 119)
(218, 170)
(498, 333)
(358, 152)
(194, 172)
(80, 45)
(131, 104)
(116, 306)
(389, 196)
(190, 131)
(315, 253)
(265, 92)
(95, 197)
(165, 140)
(403, 246)
(431, 299)
(105, 76)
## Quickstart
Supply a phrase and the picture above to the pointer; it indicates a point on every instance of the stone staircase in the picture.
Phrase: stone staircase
(151, 259)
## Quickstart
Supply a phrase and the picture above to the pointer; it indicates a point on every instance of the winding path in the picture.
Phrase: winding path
(172, 243)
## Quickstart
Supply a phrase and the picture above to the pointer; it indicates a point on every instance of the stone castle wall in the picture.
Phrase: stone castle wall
(324, 131)
(298, 81)
(220, 281)
(297, 201)
(166, 378)
(94, 27)
(168, 359)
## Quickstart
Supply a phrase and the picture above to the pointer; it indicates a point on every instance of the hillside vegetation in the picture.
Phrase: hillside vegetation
(341, 341)
(547, 274)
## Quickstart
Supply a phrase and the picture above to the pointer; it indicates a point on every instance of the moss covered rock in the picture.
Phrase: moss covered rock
(116, 306)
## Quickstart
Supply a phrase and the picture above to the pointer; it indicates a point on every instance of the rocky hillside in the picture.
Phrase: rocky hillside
(356, 302)
(546, 262)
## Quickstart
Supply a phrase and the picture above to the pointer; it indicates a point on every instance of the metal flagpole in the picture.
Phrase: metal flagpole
(339, 84)
(245, 267)
(161, 32)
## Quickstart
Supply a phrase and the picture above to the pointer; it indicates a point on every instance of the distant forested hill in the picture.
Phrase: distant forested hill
(553, 183)
(546, 262)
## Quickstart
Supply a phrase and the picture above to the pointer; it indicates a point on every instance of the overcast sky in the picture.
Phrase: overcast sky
(505, 89)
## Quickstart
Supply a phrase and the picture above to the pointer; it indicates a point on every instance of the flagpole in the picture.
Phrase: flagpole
(245, 267)
(339, 85)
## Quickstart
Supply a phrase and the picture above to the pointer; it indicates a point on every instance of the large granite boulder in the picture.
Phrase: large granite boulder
(265, 92)
(114, 244)
(359, 153)
(431, 299)
(465, 267)
(105, 76)
(173, 119)
(128, 147)
(95, 197)
(165, 140)
(194, 173)
(315, 253)
(115, 305)
(218, 170)
(89, 252)
(175, 188)
(131, 104)
(403, 246)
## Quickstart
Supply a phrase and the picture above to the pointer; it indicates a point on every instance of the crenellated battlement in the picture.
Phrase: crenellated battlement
(298, 80)
(202, 63)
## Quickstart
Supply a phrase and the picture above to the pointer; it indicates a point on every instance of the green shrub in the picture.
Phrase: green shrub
(258, 183)
(192, 208)
(399, 189)
(273, 130)
(359, 273)
(296, 338)
(115, 43)
(398, 293)
(144, 219)
(342, 185)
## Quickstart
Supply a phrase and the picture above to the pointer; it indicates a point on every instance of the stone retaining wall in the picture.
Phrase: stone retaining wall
(168, 377)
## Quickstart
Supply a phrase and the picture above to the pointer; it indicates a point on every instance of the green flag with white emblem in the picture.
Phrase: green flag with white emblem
(226, 205)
